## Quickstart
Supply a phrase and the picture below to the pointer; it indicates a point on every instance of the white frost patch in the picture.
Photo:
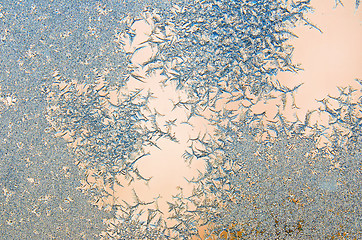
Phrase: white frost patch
(8, 101)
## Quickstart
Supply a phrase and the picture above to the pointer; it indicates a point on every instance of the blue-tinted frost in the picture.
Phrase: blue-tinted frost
(264, 178)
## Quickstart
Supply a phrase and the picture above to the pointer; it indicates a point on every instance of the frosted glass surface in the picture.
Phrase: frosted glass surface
(206, 119)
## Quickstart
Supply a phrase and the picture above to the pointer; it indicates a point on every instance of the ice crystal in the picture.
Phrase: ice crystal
(264, 178)
(107, 137)
(229, 47)
(285, 188)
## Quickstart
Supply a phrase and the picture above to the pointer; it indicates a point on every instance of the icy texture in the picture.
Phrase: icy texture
(264, 178)
(231, 47)
(286, 188)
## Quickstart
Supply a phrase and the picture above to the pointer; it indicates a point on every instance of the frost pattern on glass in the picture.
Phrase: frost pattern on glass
(286, 187)
(230, 49)
(264, 178)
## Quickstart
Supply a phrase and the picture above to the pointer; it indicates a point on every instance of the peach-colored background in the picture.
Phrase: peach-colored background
(331, 59)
